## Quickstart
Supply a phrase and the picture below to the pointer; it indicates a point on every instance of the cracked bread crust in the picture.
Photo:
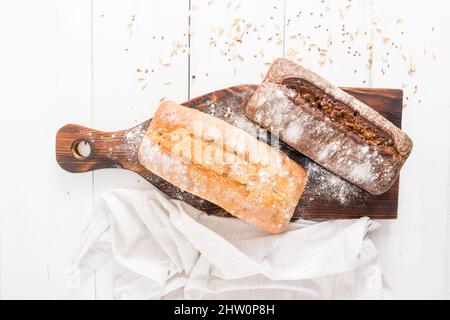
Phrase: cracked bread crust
(223, 164)
(329, 126)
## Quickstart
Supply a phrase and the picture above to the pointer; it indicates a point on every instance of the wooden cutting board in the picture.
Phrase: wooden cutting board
(325, 197)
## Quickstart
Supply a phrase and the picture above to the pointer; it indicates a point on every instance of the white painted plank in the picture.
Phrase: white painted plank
(140, 56)
(72, 202)
(406, 37)
(231, 42)
(25, 211)
(46, 66)
(330, 38)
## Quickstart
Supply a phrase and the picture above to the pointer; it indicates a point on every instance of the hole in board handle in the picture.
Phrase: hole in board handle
(81, 149)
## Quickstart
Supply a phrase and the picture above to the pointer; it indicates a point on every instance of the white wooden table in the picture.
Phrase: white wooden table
(106, 64)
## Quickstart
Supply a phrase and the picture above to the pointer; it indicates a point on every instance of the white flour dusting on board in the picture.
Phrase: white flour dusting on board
(131, 140)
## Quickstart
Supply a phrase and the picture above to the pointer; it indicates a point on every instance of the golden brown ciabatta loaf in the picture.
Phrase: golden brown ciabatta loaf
(223, 164)
(329, 126)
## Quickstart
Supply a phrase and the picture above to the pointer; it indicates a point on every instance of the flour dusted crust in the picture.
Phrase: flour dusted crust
(223, 164)
(282, 109)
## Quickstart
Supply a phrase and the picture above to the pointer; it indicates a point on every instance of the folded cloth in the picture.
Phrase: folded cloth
(165, 249)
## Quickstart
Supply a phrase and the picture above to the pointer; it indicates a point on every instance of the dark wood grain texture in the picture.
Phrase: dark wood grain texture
(119, 150)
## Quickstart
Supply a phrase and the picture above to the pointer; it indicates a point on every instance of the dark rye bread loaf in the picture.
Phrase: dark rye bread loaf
(329, 126)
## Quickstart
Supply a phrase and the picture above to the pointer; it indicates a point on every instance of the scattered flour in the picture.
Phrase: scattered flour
(329, 186)
(293, 131)
(132, 140)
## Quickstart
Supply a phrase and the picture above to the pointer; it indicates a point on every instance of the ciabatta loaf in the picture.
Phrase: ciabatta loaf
(329, 126)
(223, 164)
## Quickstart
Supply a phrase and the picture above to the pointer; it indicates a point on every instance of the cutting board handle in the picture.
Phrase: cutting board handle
(101, 154)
